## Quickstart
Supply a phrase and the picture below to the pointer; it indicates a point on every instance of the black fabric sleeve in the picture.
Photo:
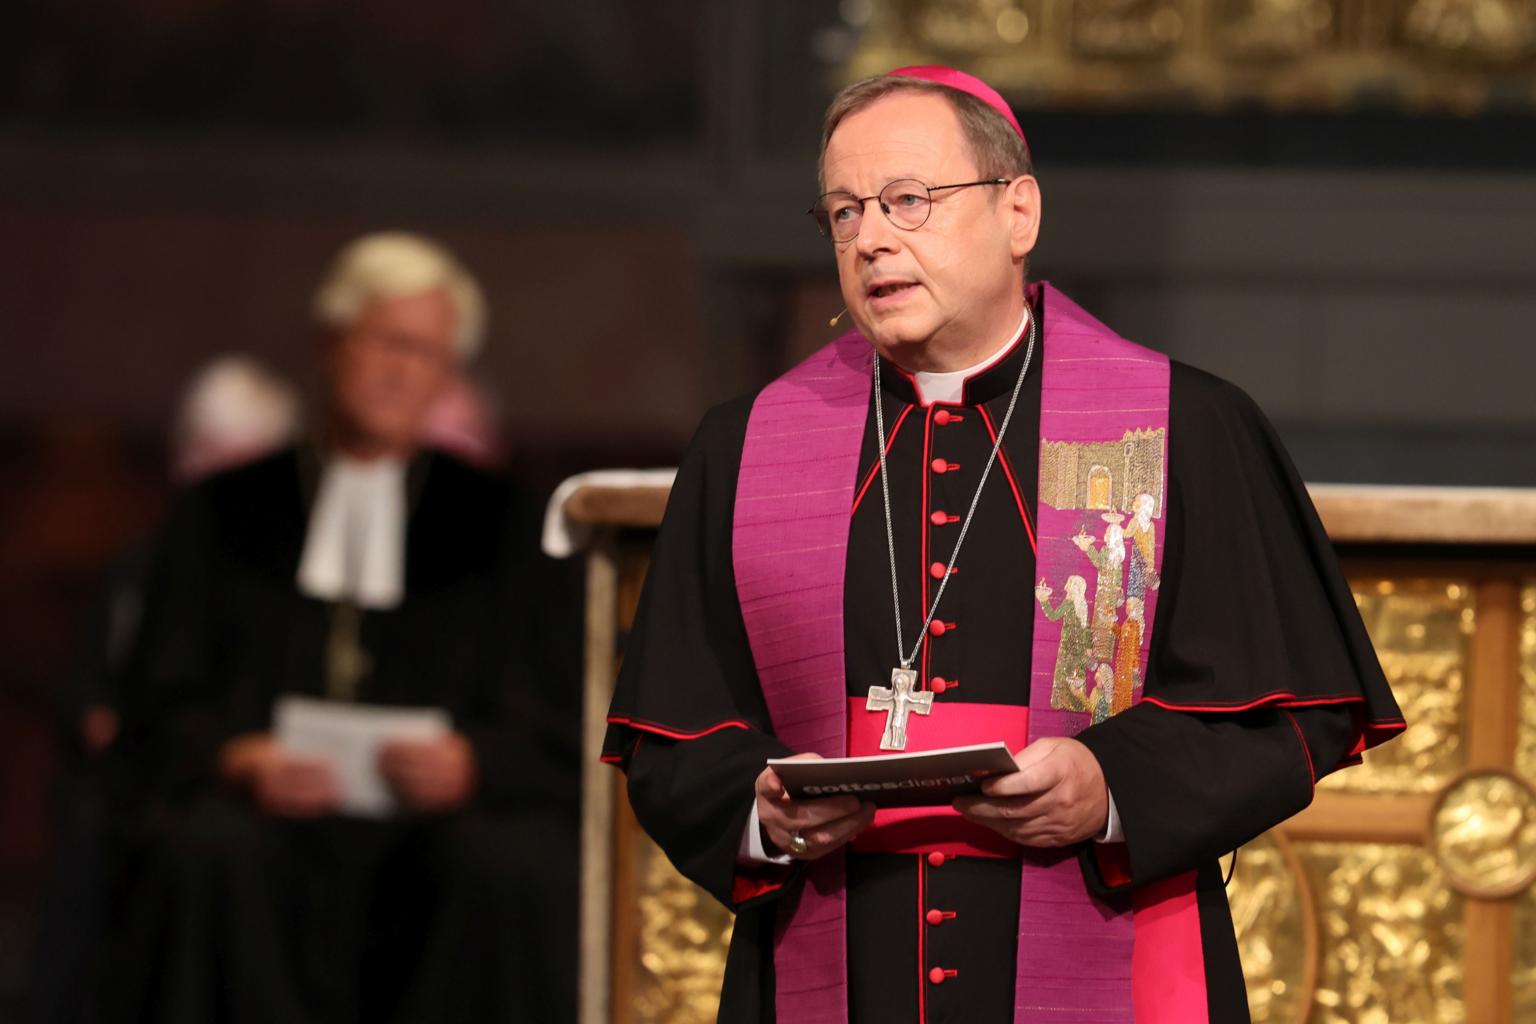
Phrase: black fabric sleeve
(1254, 608)
(1262, 678)
(1190, 788)
(688, 723)
(694, 798)
(688, 667)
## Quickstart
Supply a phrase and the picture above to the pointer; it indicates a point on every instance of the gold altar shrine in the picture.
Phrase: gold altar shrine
(1403, 894)
(1430, 56)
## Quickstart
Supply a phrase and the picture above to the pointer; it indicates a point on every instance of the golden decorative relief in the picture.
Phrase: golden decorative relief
(1391, 935)
(1422, 631)
(683, 939)
(1484, 834)
(1524, 1001)
(1525, 746)
(1276, 930)
(1438, 55)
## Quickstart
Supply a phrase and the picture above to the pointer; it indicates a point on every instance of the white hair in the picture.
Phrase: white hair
(1114, 543)
(235, 409)
(392, 264)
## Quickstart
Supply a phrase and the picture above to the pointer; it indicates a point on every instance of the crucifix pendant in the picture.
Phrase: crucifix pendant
(897, 701)
(346, 661)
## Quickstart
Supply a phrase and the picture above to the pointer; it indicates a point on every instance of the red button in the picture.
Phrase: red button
(939, 519)
(939, 684)
(941, 417)
(938, 974)
(936, 859)
(937, 569)
(935, 917)
(939, 466)
(937, 628)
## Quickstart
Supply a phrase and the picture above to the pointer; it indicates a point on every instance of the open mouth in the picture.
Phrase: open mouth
(891, 288)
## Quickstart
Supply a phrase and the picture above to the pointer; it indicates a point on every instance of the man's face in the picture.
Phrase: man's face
(945, 281)
(388, 368)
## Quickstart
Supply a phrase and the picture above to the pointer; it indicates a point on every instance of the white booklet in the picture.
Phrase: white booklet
(350, 736)
(923, 779)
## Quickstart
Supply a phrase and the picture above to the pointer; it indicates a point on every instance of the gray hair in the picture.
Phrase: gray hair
(998, 150)
(392, 264)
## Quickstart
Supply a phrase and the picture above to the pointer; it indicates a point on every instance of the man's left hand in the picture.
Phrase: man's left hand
(1057, 797)
(430, 775)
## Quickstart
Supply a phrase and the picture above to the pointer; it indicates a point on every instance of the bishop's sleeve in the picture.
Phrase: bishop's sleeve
(1262, 678)
(688, 724)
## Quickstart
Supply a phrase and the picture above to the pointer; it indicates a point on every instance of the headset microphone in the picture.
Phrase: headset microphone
(840, 315)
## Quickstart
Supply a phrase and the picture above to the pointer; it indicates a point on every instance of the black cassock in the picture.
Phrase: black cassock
(1251, 603)
(230, 915)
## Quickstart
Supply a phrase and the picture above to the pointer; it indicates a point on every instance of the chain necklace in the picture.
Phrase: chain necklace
(902, 697)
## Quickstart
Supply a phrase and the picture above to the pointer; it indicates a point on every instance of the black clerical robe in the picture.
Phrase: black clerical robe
(233, 915)
(1251, 601)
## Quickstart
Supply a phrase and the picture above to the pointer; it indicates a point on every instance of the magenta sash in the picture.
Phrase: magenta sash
(1103, 434)
(1104, 418)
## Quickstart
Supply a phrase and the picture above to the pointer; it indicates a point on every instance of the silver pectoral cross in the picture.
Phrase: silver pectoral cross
(897, 700)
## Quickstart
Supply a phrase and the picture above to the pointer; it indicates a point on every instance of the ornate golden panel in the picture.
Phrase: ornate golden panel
(1288, 54)
(683, 937)
(1525, 764)
(1272, 912)
(1421, 629)
(1525, 747)
(1390, 935)
(1525, 959)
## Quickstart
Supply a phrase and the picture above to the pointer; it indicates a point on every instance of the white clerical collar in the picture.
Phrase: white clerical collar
(950, 386)
(355, 549)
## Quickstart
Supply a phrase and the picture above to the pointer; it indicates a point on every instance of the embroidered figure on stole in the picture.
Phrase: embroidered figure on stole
(1107, 481)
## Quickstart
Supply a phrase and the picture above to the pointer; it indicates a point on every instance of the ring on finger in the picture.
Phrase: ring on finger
(797, 843)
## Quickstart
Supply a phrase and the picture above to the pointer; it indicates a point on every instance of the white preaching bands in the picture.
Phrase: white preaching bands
(355, 548)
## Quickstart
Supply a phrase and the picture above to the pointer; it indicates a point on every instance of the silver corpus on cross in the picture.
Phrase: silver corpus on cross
(902, 697)
(897, 701)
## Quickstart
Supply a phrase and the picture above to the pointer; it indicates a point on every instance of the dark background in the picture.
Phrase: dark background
(627, 180)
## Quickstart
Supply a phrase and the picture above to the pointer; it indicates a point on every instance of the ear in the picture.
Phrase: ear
(1022, 197)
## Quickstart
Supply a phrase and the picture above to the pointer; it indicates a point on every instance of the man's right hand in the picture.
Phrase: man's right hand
(283, 784)
(823, 824)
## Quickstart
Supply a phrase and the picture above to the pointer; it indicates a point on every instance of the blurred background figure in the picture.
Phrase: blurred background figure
(235, 410)
(359, 568)
(463, 422)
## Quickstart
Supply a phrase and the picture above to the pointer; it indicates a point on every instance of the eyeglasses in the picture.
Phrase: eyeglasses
(906, 203)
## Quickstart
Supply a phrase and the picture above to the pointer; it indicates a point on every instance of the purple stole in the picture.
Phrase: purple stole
(1103, 429)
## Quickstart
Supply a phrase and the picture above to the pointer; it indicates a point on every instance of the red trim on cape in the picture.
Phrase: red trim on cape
(1368, 734)
(748, 886)
(1018, 498)
(869, 478)
(1306, 750)
(674, 734)
(1114, 862)
(1278, 698)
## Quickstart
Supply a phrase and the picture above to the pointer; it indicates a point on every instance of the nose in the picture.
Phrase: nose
(877, 235)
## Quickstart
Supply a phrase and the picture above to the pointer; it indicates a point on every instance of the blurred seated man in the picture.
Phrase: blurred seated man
(358, 569)
(235, 410)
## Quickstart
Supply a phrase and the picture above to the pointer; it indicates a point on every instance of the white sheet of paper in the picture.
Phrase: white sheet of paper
(350, 737)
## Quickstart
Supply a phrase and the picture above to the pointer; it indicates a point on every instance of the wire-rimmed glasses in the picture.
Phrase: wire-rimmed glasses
(906, 203)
